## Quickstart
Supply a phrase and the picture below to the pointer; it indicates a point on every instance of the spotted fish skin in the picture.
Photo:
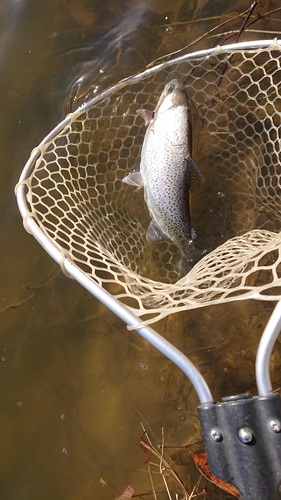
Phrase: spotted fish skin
(168, 172)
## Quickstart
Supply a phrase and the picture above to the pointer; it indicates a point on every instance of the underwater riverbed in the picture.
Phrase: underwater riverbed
(75, 383)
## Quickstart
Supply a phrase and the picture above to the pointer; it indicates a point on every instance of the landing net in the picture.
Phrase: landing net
(72, 185)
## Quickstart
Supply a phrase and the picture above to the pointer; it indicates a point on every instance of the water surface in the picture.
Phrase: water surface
(75, 384)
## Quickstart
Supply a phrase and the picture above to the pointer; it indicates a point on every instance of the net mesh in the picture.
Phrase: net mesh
(77, 197)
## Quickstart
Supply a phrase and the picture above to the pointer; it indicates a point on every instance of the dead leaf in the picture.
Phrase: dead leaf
(201, 462)
(146, 449)
(127, 494)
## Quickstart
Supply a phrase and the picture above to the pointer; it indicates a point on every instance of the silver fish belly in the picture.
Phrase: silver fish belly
(168, 172)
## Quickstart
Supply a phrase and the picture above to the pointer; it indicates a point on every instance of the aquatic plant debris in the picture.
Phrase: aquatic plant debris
(164, 466)
(232, 33)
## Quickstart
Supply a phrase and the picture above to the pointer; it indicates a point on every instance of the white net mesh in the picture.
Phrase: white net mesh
(76, 193)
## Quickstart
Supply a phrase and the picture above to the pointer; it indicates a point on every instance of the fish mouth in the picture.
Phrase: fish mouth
(175, 93)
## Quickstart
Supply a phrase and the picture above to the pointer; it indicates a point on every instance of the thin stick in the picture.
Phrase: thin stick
(151, 482)
(162, 448)
(192, 21)
(248, 12)
(199, 38)
(251, 10)
(258, 18)
(168, 468)
(166, 486)
(18, 304)
(232, 33)
(196, 486)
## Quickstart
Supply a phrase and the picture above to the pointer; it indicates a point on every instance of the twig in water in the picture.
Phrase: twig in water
(165, 466)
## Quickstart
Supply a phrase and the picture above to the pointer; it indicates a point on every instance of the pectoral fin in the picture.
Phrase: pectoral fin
(155, 232)
(195, 177)
(134, 179)
(146, 115)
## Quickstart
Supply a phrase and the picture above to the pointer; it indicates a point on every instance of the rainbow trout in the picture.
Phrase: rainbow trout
(168, 172)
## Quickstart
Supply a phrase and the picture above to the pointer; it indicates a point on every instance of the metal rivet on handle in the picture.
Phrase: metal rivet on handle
(275, 426)
(245, 435)
(216, 435)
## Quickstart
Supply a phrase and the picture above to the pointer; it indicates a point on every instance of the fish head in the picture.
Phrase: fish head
(173, 95)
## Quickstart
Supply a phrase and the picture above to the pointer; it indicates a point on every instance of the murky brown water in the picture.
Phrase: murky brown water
(75, 384)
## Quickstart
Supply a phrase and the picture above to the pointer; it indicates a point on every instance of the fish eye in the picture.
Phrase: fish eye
(171, 88)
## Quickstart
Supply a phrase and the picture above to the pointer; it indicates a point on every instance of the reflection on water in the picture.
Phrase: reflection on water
(75, 384)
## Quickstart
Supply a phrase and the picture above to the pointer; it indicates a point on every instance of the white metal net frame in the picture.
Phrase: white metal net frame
(72, 198)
